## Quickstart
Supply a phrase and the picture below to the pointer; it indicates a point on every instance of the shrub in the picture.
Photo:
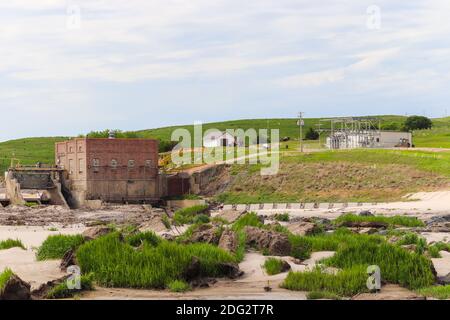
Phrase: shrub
(392, 221)
(61, 291)
(273, 266)
(148, 237)
(347, 282)
(55, 246)
(4, 278)
(433, 251)
(115, 263)
(311, 134)
(186, 215)
(417, 123)
(10, 243)
(179, 286)
(439, 292)
(408, 238)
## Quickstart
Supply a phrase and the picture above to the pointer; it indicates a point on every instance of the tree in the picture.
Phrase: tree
(311, 134)
(417, 123)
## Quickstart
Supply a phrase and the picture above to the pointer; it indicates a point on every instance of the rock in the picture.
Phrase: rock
(230, 215)
(445, 280)
(364, 224)
(230, 270)
(438, 227)
(193, 271)
(228, 241)
(366, 213)
(303, 228)
(155, 224)
(276, 243)
(367, 231)
(15, 289)
(68, 260)
(168, 236)
(285, 267)
(205, 233)
(43, 290)
(96, 232)
(202, 282)
(390, 292)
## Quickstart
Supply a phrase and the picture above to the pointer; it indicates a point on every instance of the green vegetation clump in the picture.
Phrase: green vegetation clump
(11, 243)
(397, 265)
(187, 215)
(250, 219)
(61, 291)
(346, 282)
(273, 266)
(55, 246)
(301, 247)
(417, 123)
(201, 218)
(282, 217)
(148, 237)
(117, 264)
(315, 295)
(4, 278)
(438, 292)
(391, 221)
(179, 286)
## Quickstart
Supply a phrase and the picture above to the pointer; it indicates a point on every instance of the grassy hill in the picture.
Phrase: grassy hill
(339, 176)
(32, 150)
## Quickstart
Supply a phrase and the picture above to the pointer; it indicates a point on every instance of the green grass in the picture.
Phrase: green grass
(347, 282)
(340, 176)
(117, 264)
(4, 278)
(187, 215)
(11, 243)
(390, 221)
(179, 286)
(397, 265)
(438, 292)
(32, 150)
(149, 237)
(315, 295)
(28, 151)
(282, 217)
(250, 219)
(273, 266)
(55, 246)
(61, 291)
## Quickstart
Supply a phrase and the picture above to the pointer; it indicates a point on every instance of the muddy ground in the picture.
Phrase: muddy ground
(33, 225)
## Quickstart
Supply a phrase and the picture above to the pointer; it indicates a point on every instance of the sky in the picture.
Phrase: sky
(71, 66)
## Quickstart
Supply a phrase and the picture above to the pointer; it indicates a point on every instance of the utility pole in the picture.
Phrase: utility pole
(300, 124)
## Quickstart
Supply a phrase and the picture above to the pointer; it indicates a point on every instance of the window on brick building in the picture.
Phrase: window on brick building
(148, 163)
(131, 163)
(80, 165)
(114, 163)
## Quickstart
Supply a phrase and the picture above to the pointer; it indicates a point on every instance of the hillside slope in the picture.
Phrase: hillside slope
(32, 150)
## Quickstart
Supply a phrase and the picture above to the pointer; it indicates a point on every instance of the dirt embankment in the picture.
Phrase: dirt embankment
(60, 216)
(333, 181)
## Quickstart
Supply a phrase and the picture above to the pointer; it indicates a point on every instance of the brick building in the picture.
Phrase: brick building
(113, 170)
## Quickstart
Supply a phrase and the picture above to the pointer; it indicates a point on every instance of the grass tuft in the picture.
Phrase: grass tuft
(187, 215)
(391, 221)
(273, 266)
(117, 264)
(4, 278)
(438, 292)
(179, 286)
(61, 291)
(11, 243)
(55, 246)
